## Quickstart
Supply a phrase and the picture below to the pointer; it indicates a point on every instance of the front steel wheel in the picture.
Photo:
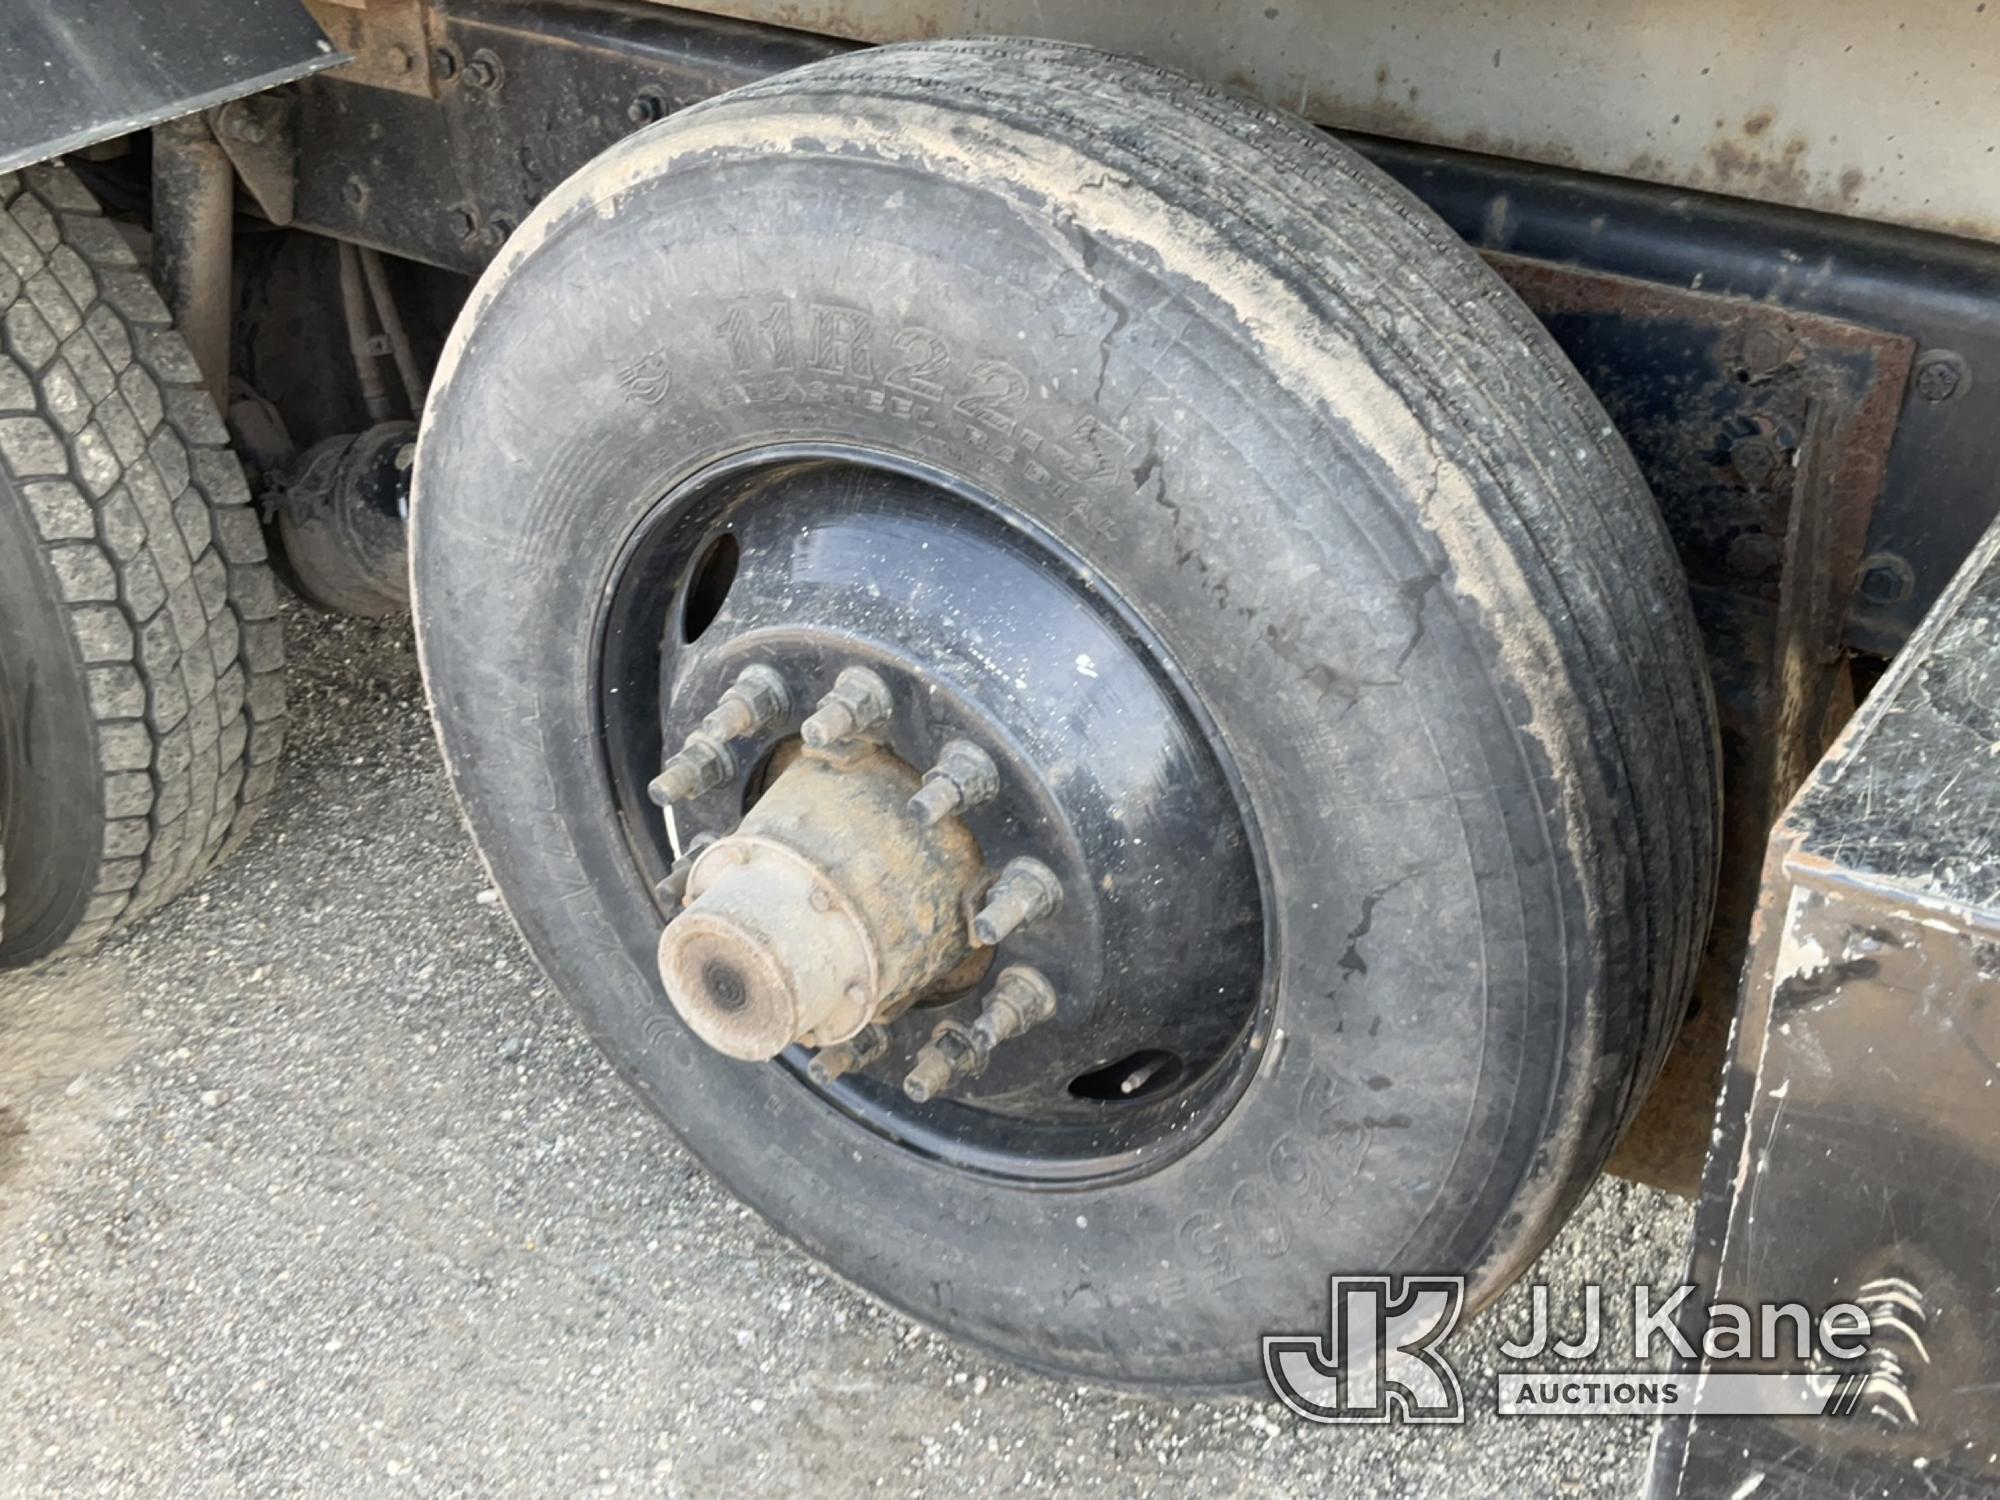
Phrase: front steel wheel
(1076, 693)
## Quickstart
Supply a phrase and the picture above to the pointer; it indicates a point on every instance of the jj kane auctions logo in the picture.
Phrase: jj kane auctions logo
(1381, 1358)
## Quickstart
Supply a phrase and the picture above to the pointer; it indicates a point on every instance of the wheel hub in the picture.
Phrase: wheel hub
(830, 908)
(904, 738)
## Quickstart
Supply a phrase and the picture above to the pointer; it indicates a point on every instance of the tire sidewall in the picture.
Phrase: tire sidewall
(51, 799)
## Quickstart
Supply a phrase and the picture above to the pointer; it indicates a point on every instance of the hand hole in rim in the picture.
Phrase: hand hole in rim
(708, 587)
(1139, 1075)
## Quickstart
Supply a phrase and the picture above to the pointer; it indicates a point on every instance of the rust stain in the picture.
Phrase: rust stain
(1740, 160)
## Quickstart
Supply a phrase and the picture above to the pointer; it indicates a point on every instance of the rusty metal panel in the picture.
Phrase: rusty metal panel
(388, 42)
(1886, 112)
(1858, 1142)
(1764, 434)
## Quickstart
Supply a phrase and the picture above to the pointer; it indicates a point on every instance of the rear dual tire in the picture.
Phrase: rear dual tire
(1389, 542)
(141, 667)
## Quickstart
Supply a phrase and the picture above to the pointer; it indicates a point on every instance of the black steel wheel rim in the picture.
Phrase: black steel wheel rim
(811, 558)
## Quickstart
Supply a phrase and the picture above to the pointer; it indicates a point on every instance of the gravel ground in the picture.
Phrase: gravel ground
(312, 1186)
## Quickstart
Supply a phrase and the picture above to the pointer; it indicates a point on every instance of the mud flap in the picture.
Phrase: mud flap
(77, 74)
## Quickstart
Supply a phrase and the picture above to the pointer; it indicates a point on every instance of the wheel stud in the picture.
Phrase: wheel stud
(857, 1051)
(963, 777)
(858, 702)
(756, 700)
(1026, 891)
(698, 766)
(1020, 999)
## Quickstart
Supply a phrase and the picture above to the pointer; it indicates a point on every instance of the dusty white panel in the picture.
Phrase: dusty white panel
(1876, 110)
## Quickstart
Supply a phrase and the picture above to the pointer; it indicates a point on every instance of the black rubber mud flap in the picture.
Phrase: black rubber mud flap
(74, 74)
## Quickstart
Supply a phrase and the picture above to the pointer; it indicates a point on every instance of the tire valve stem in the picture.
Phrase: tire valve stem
(841, 1058)
(956, 1053)
(756, 700)
(963, 777)
(857, 703)
(1026, 891)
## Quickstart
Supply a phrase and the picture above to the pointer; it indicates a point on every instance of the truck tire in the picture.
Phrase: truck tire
(141, 683)
(1411, 608)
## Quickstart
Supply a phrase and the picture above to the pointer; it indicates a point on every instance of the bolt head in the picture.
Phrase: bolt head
(969, 769)
(1028, 990)
(645, 109)
(241, 125)
(763, 689)
(1755, 459)
(1940, 375)
(1885, 579)
(1765, 351)
(1753, 555)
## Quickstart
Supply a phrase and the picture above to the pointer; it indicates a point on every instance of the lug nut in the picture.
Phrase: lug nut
(946, 1060)
(1026, 891)
(698, 766)
(1020, 999)
(858, 702)
(841, 1058)
(674, 886)
(756, 700)
(963, 777)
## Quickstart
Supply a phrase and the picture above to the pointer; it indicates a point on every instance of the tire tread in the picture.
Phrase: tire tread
(110, 437)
